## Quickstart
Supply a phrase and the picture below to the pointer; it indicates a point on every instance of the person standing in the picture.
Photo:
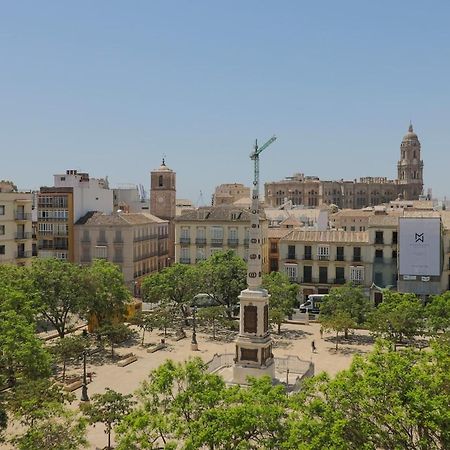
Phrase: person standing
(313, 346)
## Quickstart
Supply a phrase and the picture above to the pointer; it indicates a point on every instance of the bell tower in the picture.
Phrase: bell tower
(163, 200)
(410, 167)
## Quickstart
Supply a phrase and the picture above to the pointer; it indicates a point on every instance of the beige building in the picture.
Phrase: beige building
(367, 191)
(227, 194)
(320, 260)
(137, 243)
(15, 225)
(200, 233)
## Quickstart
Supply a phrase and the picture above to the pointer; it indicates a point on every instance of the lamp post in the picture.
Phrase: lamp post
(194, 344)
(84, 390)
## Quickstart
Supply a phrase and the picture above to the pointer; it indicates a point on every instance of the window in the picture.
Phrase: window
(2, 249)
(339, 253)
(394, 237)
(307, 274)
(291, 251)
(201, 255)
(357, 254)
(394, 254)
(379, 279)
(160, 181)
(356, 274)
(340, 276)
(185, 233)
(101, 251)
(378, 254)
(185, 256)
(291, 271)
(352, 228)
(308, 252)
(323, 274)
(379, 237)
(233, 234)
(217, 233)
(323, 252)
(2, 230)
(2, 210)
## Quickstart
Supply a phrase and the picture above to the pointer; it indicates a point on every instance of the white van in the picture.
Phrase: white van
(312, 304)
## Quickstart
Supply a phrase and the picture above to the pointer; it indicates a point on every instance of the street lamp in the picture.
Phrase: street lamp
(84, 390)
(194, 344)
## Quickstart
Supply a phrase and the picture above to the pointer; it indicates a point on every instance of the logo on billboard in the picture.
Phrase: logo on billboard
(419, 237)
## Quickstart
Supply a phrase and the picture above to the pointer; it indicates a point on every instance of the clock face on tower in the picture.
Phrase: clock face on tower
(160, 199)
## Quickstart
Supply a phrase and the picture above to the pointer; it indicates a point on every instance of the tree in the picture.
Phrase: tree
(223, 277)
(63, 432)
(398, 316)
(21, 351)
(109, 409)
(69, 347)
(349, 303)
(174, 285)
(438, 313)
(340, 322)
(61, 291)
(36, 400)
(283, 295)
(107, 293)
(144, 321)
(388, 400)
(213, 316)
(114, 334)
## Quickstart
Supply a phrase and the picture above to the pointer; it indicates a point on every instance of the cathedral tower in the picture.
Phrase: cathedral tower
(163, 200)
(410, 166)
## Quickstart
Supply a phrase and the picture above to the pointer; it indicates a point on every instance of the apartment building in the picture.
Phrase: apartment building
(136, 242)
(200, 233)
(59, 207)
(320, 260)
(15, 225)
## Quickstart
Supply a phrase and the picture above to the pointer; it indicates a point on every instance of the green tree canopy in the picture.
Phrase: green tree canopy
(397, 317)
(114, 334)
(438, 313)
(176, 285)
(68, 348)
(213, 316)
(61, 290)
(108, 408)
(223, 277)
(283, 295)
(107, 293)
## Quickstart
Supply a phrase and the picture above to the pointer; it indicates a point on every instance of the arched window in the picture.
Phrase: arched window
(160, 182)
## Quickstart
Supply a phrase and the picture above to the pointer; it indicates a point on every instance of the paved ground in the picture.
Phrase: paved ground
(295, 340)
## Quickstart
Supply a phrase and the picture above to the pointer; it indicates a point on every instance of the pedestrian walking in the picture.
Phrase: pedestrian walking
(321, 332)
(313, 346)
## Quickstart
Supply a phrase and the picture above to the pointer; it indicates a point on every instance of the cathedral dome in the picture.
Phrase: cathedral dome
(410, 135)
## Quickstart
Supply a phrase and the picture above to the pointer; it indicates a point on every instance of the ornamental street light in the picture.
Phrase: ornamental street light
(194, 344)
(84, 390)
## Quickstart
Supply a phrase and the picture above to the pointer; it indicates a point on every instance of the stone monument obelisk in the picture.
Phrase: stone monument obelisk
(254, 345)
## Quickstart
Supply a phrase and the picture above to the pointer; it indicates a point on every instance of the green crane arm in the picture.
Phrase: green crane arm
(258, 150)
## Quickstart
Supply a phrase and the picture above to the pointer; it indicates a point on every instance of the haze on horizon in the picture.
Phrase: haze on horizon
(109, 87)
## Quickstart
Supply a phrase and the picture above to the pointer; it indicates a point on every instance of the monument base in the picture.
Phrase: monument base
(241, 372)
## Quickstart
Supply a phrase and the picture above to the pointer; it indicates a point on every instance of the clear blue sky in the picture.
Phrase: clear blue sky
(108, 87)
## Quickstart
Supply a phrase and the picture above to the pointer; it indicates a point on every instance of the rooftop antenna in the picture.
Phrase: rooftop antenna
(201, 200)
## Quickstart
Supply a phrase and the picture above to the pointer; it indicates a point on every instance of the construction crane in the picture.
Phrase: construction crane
(254, 156)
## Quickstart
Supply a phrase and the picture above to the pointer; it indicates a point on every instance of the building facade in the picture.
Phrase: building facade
(136, 242)
(320, 260)
(367, 191)
(227, 194)
(15, 225)
(163, 200)
(59, 207)
(200, 233)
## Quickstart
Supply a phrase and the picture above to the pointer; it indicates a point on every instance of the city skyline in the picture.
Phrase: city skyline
(110, 90)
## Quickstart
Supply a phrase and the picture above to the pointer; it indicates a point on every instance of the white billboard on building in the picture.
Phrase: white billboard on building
(420, 246)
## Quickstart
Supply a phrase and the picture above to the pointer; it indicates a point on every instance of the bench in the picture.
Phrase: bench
(128, 360)
(156, 348)
(74, 385)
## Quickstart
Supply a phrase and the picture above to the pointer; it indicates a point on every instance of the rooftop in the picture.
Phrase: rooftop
(99, 218)
(336, 236)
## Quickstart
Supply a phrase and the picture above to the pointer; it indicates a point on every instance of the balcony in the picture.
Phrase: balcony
(307, 257)
(339, 281)
(233, 242)
(147, 237)
(21, 254)
(85, 240)
(216, 242)
(22, 236)
(144, 256)
(102, 242)
(118, 241)
(291, 255)
(22, 215)
(379, 241)
(185, 260)
(309, 280)
(324, 257)
(356, 258)
(340, 258)
(200, 241)
(185, 240)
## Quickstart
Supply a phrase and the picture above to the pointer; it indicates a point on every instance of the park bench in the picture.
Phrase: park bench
(127, 360)
(156, 348)
(73, 385)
